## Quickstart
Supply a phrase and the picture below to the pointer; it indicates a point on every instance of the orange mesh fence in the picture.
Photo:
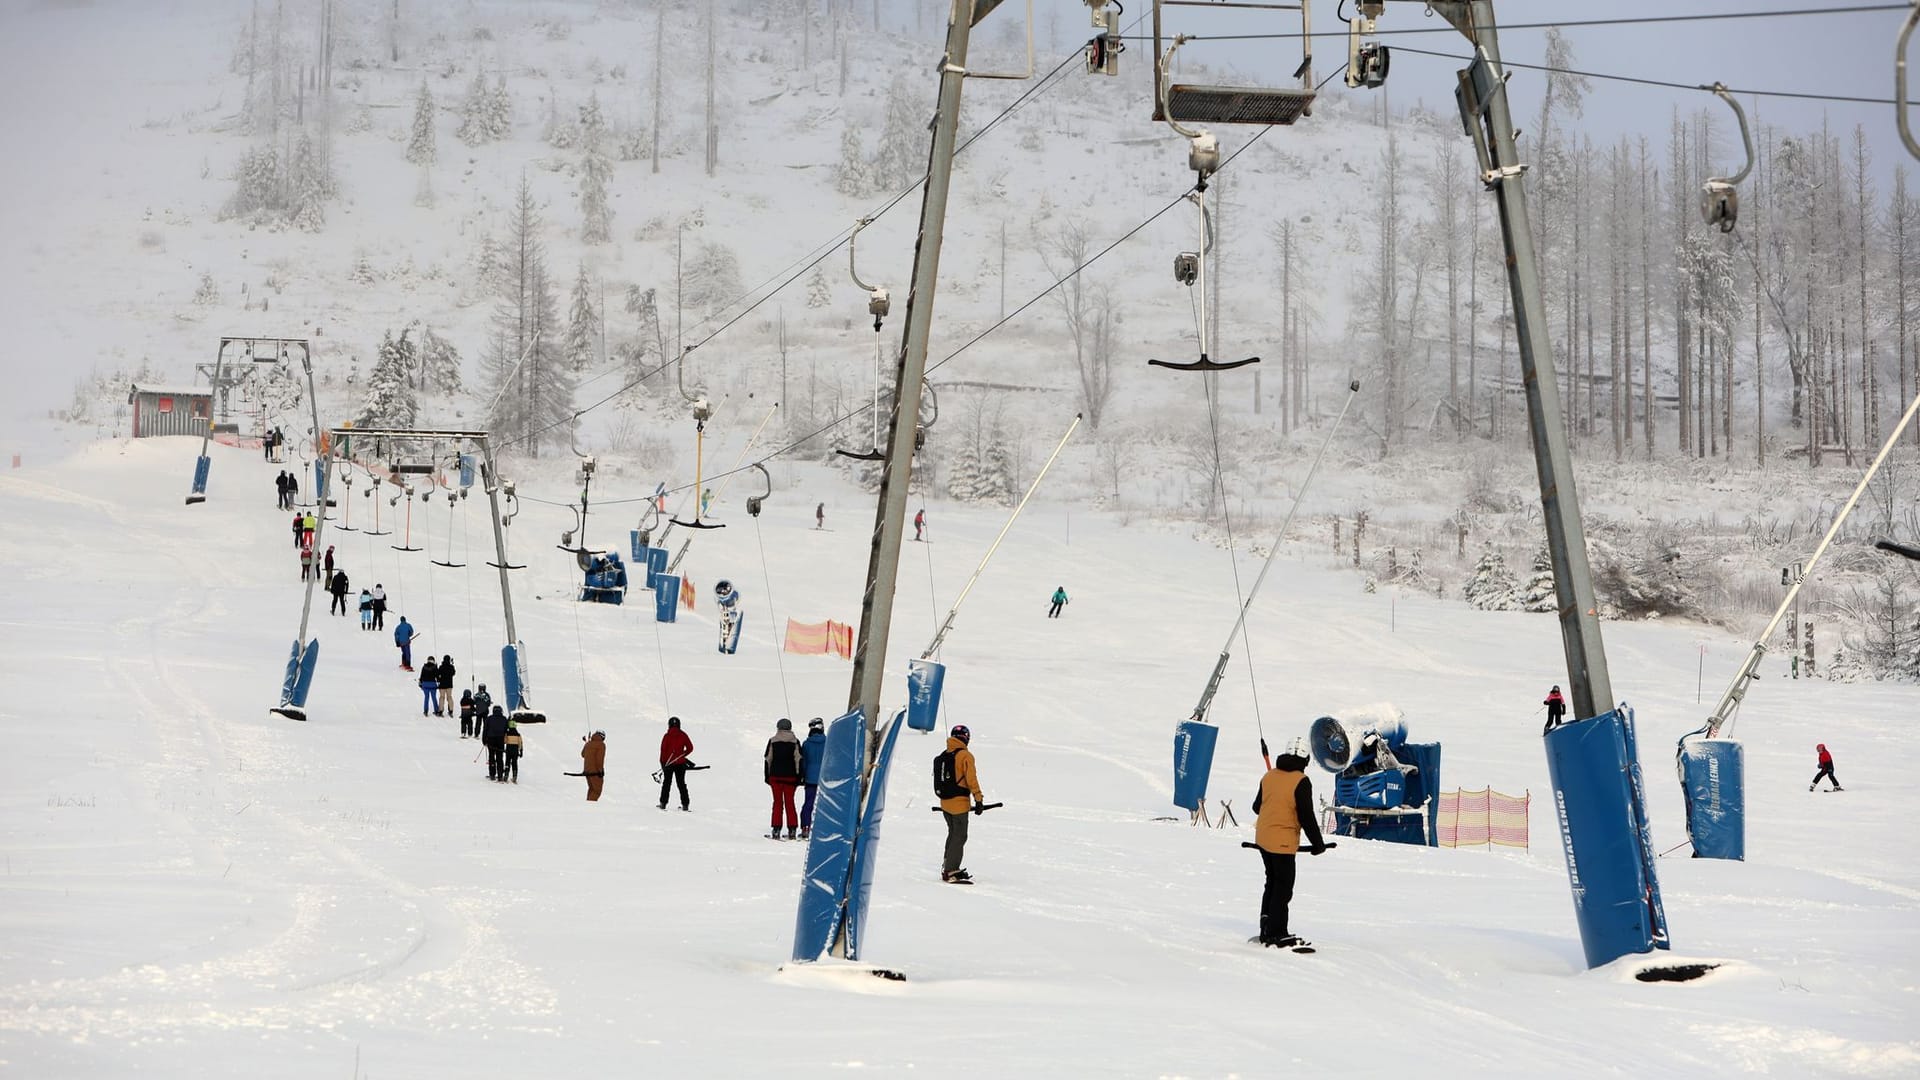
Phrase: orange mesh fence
(1482, 818)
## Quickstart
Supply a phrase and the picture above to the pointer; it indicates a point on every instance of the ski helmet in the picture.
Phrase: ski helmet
(1296, 747)
(816, 724)
(961, 732)
(673, 721)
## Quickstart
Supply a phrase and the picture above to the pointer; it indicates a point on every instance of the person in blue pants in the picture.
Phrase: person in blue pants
(813, 752)
(430, 688)
(403, 637)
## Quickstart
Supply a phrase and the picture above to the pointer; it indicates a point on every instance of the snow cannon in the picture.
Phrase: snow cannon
(1383, 785)
(606, 581)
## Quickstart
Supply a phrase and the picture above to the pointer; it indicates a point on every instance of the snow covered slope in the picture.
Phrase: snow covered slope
(193, 887)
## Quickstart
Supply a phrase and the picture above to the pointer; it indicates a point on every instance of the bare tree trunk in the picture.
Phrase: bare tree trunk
(659, 77)
(713, 121)
(1647, 180)
(1615, 310)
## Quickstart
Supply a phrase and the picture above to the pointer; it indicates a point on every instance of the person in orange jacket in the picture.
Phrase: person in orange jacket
(957, 783)
(593, 764)
(1283, 809)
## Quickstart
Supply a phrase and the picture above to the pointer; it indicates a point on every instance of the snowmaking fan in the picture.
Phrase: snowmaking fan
(1332, 749)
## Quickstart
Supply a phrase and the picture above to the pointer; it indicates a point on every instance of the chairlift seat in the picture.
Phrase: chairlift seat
(1189, 103)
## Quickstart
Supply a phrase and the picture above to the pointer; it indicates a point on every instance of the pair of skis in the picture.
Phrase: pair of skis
(1292, 942)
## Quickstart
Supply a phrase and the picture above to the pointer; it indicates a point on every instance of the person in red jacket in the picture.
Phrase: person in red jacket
(1556, 710)
(1826, 769)
(675, 748)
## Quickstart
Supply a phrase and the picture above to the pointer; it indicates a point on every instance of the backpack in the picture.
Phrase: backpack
(946, 782)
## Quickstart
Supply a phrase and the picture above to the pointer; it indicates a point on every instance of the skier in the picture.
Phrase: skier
(430, 687)
(280, 490)
(510, 765)
(920, 523)
(379, 606)
(1556, 710)
(1826, 769)
(1284, 808)
(956, 781)
(306, 562)
(446, 686)
(675, 748)
(329, 561)
(493, 736)
(337, 585)
(293, 490)
(299, 526)
(813, 752)
(482, 707)
(307, 524)
(1059, 601)
(782, 769)
(402, 636)
(820, 516)
(466, 713)
(593, 764)
(366, 610)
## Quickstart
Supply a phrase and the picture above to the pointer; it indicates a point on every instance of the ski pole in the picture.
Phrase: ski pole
(1328, 846)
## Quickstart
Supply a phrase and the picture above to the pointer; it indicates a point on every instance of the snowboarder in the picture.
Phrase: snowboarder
(466, 713)
(380, 606)
(1556, 710)
(1826, 769)
(306, 562)
(956, 781)
(1283, 809)
(446, 686)
(430, 687)
(920, 523)
(593, 764)
(510, 764)
(782, 769)
(820, 516)
(1059, 601)
(337, 585)
(402, 636)
(493, 736)
(675, 748)
(813, 752)
(366, 610)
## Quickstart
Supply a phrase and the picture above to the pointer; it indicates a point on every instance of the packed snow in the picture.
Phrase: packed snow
(196, 887)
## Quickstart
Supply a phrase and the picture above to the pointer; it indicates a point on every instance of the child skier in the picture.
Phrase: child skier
(675, 748)
(510, 765)
(1826, 769)
(366, 610)
(920, 523)
(299, 527)
(402, 636)
(466, 714)
(306, 562)
(1556, 710)
(782, 769)
(380, 608)
(820, 516)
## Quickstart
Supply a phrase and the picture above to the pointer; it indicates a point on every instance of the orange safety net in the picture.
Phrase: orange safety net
(687, 593)
(818, 639)
(1481, 818)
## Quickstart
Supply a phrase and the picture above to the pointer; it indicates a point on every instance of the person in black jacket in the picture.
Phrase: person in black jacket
(1284, 810)
(1556, 710)
(430, 687)
(783, 770)
(510, 762)
(466, 713)
(493, 736)
(446, 686)
(337, 585)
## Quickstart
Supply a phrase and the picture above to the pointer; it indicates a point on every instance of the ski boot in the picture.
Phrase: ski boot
(956, 877)
(792, 833)
(806, 834)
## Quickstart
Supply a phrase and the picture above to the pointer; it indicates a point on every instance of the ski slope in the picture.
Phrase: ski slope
(193, 887)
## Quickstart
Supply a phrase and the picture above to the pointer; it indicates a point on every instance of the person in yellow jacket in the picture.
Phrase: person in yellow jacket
(1284, 809)
(957, 783)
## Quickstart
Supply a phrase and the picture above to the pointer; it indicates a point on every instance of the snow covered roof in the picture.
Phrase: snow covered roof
(169, 391)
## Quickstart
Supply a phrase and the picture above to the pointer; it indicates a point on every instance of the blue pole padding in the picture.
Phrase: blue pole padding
(924, 678)
(866, 845)
(200, 469)
(1601, 806)
(824, 884)
(513, 673)
(1713, 781)
(666, 597)
(1193, 742)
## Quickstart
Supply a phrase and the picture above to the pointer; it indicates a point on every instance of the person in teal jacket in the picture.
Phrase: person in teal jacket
(403, 637)
(1059, 601)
